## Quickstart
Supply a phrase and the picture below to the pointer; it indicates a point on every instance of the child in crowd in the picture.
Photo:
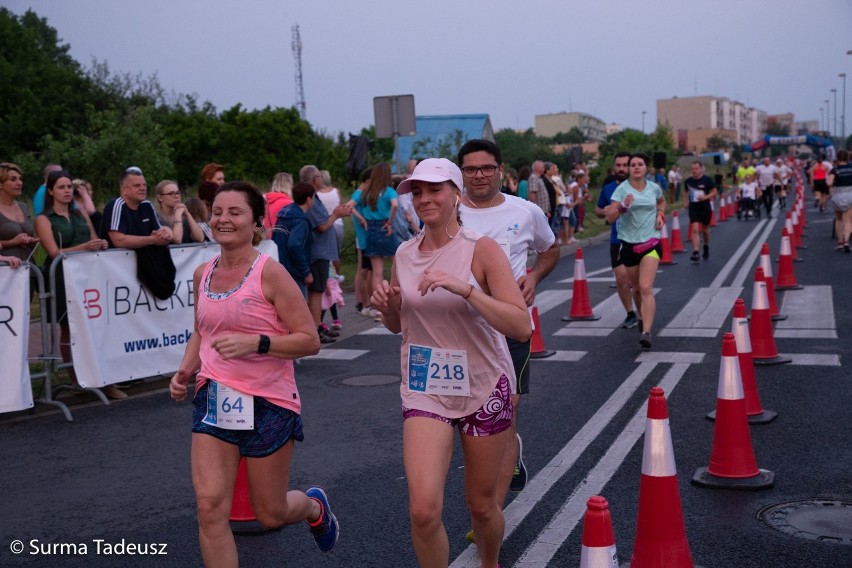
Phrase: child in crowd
(331, 298)
(747, 194)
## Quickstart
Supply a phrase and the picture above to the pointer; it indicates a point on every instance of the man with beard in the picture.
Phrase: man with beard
(622, 283)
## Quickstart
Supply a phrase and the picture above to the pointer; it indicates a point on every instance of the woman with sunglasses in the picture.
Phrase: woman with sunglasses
(173, 214)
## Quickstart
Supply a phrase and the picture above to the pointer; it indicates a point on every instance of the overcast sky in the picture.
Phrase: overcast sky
(512, 60)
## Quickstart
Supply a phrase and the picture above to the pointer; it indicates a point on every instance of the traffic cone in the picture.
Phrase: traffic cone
(666, 257)
(788, 226)
(677, 238)
(754, 410)
(723, 208)
(537, 349)
(581, 305)
(797, 230)
(766, 265)
(660, 530)
(243, 519)
(786, 277)
(712, 213)
(732, 461)
(763, 350)
(598, 549)
(732, 206)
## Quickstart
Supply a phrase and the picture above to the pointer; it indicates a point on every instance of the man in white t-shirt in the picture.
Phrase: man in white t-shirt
(767, 176)
(519, 227)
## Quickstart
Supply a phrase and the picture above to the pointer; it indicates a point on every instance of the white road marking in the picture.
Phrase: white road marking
(805, 333)
(611, 312)
(564, 356)
(378, 330)
(809, 308)
(562, 462)
(748, 267)
(338, 354)
(547, 543)
(704, 313)
(814, 359)
(549, 299)
(588, 274)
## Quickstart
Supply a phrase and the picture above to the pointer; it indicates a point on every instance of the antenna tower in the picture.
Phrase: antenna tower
(297, 55)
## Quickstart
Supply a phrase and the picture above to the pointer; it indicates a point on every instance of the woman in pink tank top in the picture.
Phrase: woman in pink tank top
(454, 298)
(251, 321)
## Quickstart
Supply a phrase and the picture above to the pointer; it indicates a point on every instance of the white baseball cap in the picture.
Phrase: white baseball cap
(433, 170)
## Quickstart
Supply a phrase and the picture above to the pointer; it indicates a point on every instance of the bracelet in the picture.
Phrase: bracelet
(469, 292)
(622, 208)
(179, 222)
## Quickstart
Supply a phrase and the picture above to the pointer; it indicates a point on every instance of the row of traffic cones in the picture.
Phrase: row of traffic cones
(661, 540)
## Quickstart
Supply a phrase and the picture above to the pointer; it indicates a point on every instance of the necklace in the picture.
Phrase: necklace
(490, 204)
(240, 262)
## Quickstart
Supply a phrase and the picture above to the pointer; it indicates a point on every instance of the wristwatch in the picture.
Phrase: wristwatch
(263, 346)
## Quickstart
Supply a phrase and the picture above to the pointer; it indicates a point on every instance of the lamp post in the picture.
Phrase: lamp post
(843, 116)
(834, 124)
(827, 115)
(643, 122)
(821, 119)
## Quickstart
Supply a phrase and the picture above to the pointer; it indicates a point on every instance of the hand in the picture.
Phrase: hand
(95, 244)
(309, 279)
(385, 298)
(180, 212)
(177, 386)
(363, 223)
(389, 228)
(236, 345)
(628, 200)
(13, 261)
(661, 220)
(22, 240)
(439, 279)
(342, 211)
(527, 284)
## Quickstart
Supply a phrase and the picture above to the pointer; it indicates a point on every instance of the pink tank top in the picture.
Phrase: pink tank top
(443, 319)
(246, 310)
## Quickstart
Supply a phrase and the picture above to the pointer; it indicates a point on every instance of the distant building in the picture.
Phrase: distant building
(593, 128)
(696, 140)
(805, 127)
(712, 113)
(613, 128)
(781, 121)
(447, 131)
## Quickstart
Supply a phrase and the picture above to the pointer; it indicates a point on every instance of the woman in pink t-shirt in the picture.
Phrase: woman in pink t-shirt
(454, 298)
(251, 321)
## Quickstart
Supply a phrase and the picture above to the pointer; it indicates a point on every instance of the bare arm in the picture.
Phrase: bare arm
(387, 300)
(191, 361)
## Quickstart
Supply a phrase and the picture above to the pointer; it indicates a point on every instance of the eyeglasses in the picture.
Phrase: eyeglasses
(487, 171)
(170, 193)
(133, 170)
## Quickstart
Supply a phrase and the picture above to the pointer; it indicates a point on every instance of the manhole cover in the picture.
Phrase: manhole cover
(369, 380)
(815, 519)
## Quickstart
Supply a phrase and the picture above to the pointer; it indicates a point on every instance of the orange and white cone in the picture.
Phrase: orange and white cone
(732, 206)
(766, 265)
(754, 409)
(581, 305)
(666, 257)
(797, 230)
(660, 530)
(788, 226)
(598, 550)
(677, 237)
(786, 277)
(732, 461)
(243, 519)
(723, 208)
(763, 350)
(537, 348)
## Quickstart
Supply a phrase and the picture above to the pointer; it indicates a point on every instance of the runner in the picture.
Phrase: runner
(640, 207)
(700, 191)
(519, 227)
(453, 293)
(251, 321)
(840, 182)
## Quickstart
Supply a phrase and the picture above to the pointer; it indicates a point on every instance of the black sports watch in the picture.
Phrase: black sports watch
(263, 346)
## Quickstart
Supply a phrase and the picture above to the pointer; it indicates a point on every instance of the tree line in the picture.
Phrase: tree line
(96, 122)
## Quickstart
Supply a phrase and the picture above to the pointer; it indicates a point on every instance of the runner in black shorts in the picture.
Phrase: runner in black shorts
(700, 193)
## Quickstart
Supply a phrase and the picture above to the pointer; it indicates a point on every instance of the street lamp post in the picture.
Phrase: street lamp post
(834, 124)
(827, 116)
(643, 122)
(843, 116)
(821, 119)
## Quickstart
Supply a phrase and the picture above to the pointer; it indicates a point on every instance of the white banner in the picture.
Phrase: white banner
(119, 330)
(15, 387)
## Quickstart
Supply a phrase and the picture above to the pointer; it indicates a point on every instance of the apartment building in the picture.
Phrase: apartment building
(552, 124)
(719, 115)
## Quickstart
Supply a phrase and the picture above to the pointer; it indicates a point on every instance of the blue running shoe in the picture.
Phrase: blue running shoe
(326, 531)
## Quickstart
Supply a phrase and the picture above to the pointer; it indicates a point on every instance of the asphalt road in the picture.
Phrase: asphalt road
(121, 472)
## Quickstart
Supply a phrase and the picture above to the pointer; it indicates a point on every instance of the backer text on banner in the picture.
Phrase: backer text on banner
(15, 389)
